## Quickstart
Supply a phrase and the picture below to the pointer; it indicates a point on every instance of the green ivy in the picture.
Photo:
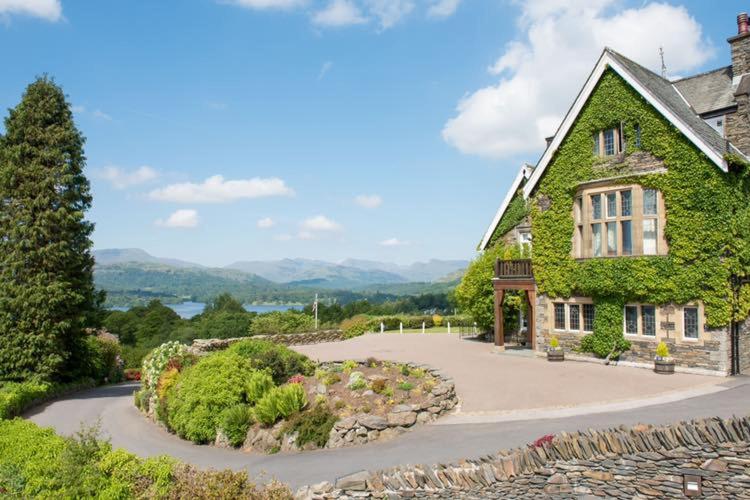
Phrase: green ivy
(515, 213)
(708, 225)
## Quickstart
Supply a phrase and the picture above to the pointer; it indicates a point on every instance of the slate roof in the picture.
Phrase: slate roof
(707, 92)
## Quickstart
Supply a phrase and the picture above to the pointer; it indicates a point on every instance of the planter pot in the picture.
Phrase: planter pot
(558, 355)
(664, 367)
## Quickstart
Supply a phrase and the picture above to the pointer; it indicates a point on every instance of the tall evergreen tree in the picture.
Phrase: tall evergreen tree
(46, 267)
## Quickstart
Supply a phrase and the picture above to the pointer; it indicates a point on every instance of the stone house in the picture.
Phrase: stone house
(636, 219)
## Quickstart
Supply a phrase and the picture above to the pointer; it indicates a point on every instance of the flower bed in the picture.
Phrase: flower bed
(266, 398)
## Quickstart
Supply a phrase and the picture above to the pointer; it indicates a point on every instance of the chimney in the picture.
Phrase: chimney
(740, 44)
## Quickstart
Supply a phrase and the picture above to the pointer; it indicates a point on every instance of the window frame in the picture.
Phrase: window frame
(698, 329)
(625, 320)
(564, 316)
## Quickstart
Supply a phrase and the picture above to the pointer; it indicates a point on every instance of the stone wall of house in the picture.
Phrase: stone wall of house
(642, 461)
(745, 347)
(203, 346)
(710, 355)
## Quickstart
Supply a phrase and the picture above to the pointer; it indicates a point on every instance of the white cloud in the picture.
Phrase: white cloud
(98, 113)
(389, 12)
(266, 223)
(267, 4)
(368, 200)
(184, 218)
(217, 190)
(50, 10)
(324, 69)
(393, 242)
(339, 13)
(121, 179)
(77, 109)
(283, 237)
(319, 223)
(541, 74)
(443, 8)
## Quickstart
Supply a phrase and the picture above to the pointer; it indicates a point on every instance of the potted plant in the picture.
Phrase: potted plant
(663, 363)
(555, 351)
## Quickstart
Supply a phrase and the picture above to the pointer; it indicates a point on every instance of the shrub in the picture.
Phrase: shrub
(372, 362)
(292, 399)
(216, 382)
(132, 374)
(356, 326)
(312, 426)
(349, 365)
(662, 351)
(282, 362)
(266, 411)
(296, 379)
(404, 370)
(258, 385)
(167, 380)
(282, 322)
(418, 372)
(437, 320)
(357, 384)
(132, 357)
(16, 397)
(331, 378)
(157, 361)
(553, 342)
(378, 385)
(354, 377)
(405, 386)
(36, 463)
(234, 422)
(101, 360)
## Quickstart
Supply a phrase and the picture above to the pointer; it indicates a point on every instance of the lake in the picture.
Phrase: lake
(189, 309)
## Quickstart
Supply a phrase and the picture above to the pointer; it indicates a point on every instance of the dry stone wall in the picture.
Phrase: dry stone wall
(642, 461)
(203, 346)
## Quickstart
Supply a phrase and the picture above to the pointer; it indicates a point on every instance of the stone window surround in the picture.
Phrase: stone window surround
(599, 143)
(567, 302)
(582, 240)
(677, 317)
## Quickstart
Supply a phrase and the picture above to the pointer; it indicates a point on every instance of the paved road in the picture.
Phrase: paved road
(122, 423)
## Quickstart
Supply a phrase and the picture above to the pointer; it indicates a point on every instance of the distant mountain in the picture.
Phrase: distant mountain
(109, 256)
(307, 272)
(432, 270)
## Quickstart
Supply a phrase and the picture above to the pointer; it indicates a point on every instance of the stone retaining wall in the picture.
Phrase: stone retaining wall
(642, 461)
(362, 428)
(203, 346)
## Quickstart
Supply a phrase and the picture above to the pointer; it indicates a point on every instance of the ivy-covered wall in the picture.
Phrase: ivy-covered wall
(515, 213)
(707, 221)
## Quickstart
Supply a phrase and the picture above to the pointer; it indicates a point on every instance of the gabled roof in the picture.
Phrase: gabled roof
(523, 174)
(658, 92)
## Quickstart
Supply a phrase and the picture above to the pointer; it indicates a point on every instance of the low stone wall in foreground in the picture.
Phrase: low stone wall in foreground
(203, 346)
(643, 461)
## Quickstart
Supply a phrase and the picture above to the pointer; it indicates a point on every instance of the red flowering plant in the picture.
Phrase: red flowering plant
(544, 440)
(297, 379)
(132, 374)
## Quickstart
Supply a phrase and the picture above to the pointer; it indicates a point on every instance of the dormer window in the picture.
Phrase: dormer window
(607, 142)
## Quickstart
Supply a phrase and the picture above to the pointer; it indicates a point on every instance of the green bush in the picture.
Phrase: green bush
(405, 386)
(16, 397)
(356, 326)
(36, 463)
(215, 383)
(132, 357)
(282, 322)
(313, 426)
(662, 351)
(280, 402)
(234, 422)
(157, 361)
(101, 360)
(259, 383)
(281, 361)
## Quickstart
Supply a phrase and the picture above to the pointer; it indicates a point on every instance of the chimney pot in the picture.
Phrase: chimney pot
(742, 24)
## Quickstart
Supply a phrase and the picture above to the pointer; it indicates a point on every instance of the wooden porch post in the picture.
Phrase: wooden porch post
(531, 299)
(499, 333)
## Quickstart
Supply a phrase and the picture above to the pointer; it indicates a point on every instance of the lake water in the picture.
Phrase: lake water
(189, 309)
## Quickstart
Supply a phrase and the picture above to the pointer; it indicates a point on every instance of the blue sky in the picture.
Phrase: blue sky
(378, 129)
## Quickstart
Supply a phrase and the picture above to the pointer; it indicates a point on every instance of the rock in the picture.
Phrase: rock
(557, 479)
(715, 464)
(361, 431)
(598, 475)
(390, 433)
(354, 377)
(374, 377)
(442, 388)
(346, 423)
(350, 436)
(424, 417)
(368, 392)
(289, 442)
(260, 440)
(401, 409)
(372, 422)
(222, 441)
(321, 389)
(373, 435)
(323, 487)
(355, 482)
(402, 419)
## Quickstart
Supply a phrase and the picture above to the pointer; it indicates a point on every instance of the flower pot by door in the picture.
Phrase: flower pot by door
(558, 355)
(664, 367)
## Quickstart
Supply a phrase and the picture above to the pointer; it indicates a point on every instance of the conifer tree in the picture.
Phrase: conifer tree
(46, 267)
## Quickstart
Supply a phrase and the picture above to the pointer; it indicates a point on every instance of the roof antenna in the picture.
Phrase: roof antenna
(663, 65)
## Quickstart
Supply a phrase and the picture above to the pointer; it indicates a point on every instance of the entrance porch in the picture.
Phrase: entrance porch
(514, 275)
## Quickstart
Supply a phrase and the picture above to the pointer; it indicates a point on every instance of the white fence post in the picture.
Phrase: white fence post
(401, 327)
(422, 326)
(449, 327)
(382, 327)
(475, 328)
